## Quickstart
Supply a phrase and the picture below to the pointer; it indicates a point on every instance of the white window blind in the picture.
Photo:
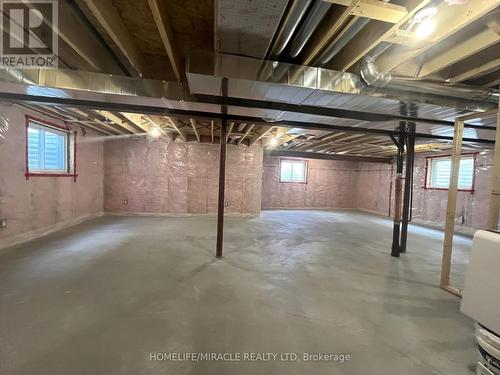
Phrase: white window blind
(47, 149)
(293, 171)
(440, 169)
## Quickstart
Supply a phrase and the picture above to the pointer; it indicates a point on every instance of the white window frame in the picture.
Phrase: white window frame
(69, 149)
(431, 164)
(294, 161)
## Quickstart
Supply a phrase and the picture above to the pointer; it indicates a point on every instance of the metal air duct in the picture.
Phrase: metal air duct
(315, 16)
(290, 24)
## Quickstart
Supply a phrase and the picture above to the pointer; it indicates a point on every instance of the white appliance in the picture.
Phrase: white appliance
(481, 299)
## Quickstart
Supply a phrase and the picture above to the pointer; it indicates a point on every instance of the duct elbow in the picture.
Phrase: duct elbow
(372, 76)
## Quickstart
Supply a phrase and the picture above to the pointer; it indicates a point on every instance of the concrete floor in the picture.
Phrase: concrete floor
(99, 297)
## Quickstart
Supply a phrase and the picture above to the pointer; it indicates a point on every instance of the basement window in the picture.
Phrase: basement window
(293, 171)
(439, 169)
(50, 149)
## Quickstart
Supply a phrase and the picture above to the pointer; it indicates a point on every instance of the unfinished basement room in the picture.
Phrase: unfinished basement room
(250, 187)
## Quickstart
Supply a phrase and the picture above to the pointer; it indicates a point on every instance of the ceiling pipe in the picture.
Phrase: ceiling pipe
(290, 23)
(312, 21)
(372, 76)
(293, 17)
(353, 29)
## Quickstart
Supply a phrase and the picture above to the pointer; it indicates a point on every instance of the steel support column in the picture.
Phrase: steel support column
(410, 158)
(222, 176)
(396, 250)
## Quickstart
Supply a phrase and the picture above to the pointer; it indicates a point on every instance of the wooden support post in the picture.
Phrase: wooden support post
(222, 176)
(452, 204)
(494, 209)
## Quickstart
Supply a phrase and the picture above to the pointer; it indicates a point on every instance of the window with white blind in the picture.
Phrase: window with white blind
(439, 170)
(49, 150)
(293, 171)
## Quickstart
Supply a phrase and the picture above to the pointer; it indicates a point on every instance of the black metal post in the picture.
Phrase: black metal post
(395, 251)
(410, 157)
(222, 176)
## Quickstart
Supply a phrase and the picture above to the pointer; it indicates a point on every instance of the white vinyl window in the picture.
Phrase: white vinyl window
(49, 150)
(439, 170)
(293, 171)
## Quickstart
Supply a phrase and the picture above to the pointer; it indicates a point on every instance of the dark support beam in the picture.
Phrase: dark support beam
(162, 111)
(236, 102)
(410, 158)
(396, 250)
(315, 155)
(222, 176)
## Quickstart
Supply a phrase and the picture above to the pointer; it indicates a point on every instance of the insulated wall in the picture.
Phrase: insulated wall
(429, 205)
(329, 185)
(374, 187)
(34, 206)
(157, 176)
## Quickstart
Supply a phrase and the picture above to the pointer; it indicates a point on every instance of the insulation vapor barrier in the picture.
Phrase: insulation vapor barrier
(429, 205)
(375, 185)
(35, 206)
(329, 185)
(159, 176)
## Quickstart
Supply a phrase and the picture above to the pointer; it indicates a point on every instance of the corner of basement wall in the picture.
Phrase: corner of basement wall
(41, 205)
(429, 205)
(145, 176)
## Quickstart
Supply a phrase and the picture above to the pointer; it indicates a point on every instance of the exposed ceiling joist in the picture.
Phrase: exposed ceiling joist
(83, 120)
(145, 125)
(460, 51)
(476, 71)
(448, 20)
(193, 125)
(406, 38)
(89, 115)
(326, 145)
(327, 139)
(62, 114)
(374, 34)
(374, 9)
(167, 36)
(313, 155)
(75, 35)
(247, 131)
(108, 18)
(177, 126)
(317, 46)
(159, 123)
(122, 122)
(261, 133)
(229, 130)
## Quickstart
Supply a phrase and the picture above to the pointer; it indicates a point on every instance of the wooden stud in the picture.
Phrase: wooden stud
(452, 203)
(494, 209)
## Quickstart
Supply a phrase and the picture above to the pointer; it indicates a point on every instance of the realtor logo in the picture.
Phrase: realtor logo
(29, 34)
